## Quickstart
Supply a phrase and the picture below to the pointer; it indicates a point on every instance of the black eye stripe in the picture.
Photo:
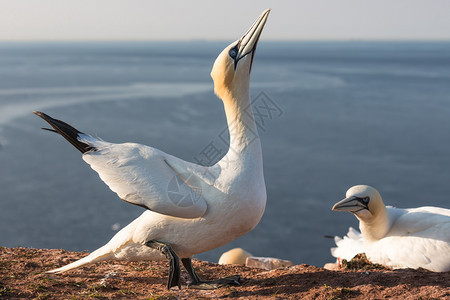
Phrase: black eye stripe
(364, 200)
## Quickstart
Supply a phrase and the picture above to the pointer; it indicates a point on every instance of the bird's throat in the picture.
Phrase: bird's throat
(241, 123)
(377, 227)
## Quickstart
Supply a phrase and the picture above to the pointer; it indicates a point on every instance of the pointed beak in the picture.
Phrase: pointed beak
(352, 204)
(247, 43)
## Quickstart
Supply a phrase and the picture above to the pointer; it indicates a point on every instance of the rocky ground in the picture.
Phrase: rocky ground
(22, 276)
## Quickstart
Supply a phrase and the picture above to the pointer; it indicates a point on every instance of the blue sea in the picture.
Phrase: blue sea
(342, 113)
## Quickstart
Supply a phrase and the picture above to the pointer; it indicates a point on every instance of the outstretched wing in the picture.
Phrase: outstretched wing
(139, 174)
(142, 175)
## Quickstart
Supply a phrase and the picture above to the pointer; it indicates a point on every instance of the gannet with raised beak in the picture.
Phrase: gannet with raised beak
(399, 238)
(217, 203)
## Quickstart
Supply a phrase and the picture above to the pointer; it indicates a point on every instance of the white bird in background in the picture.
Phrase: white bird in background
(214, 205)
(395, 237)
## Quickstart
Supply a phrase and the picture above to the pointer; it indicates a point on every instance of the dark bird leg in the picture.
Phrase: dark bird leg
(197, 283)
(174, 264)
(68, 132)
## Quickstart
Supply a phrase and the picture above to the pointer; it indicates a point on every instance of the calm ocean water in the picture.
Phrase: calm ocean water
(344, 114)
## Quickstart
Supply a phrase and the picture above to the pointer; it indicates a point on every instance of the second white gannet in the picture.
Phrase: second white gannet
(395, 237)
(215, 205)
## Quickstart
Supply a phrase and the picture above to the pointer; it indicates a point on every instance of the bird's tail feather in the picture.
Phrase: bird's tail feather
(95, 256)
(68, 132)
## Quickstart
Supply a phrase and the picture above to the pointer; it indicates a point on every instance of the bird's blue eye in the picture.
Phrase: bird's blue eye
(366, 200)
(233, 53)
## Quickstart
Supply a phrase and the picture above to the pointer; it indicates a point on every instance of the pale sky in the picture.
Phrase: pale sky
(223, 20)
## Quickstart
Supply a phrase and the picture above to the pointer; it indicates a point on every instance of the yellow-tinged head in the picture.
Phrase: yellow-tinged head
(363, 201)
(231, 70)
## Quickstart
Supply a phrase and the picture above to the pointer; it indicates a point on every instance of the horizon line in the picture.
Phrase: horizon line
(221, 40)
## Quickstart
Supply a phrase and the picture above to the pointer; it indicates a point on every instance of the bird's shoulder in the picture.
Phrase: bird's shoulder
(430, 222)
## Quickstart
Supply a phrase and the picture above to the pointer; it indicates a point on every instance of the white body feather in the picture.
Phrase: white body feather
(349, 245)
(418, 238)
(408, 238)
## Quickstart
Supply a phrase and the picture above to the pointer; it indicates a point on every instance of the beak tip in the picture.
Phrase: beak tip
(266, 13)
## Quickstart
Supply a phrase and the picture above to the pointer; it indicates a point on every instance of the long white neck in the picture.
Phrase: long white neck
(377, 227)
(244, 138)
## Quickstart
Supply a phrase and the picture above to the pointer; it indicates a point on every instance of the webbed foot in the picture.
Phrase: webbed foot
(215, 284)
(197, 283)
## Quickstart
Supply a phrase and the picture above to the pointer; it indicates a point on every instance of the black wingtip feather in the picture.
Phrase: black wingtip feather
(68, 132)
(48, 129)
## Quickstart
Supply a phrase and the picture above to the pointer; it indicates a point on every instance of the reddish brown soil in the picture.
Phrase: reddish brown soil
(22, 276)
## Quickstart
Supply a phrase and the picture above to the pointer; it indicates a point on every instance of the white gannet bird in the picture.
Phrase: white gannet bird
(220, 202)
(399, 238)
